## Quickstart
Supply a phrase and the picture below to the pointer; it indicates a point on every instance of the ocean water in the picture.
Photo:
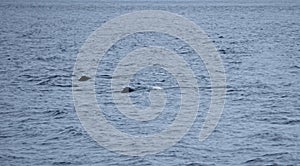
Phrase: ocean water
(259, 43)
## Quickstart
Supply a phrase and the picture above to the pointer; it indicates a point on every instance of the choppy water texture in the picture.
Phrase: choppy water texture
(259, 45)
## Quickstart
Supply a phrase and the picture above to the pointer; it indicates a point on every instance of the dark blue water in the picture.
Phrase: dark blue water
(258, 43)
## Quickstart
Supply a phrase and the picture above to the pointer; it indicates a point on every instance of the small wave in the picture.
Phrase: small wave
(275, 154)
(270, 136)
(200, 164)
(255, 160)
(62, 163)
(292, 122)
(295, 67)
(70, 131)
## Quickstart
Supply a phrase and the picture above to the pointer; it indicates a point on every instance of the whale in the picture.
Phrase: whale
(84, 78)
(127, 90)
(130, 89)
